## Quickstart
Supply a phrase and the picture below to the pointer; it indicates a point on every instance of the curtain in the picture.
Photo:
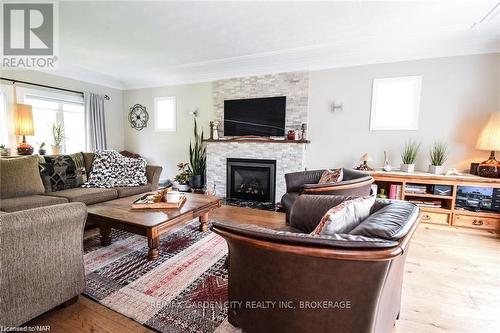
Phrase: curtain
(95, 122)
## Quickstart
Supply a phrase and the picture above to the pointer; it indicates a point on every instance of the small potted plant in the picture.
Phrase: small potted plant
(41, 150)
(409, 156)
(182, 178)
(438, 155)
(58, 136)
(4, 151)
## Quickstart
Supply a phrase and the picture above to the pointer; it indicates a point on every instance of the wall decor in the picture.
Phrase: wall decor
(138, 117)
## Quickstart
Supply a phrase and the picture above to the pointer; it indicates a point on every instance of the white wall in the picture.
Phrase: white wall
(458, 93)
(113, 107)
(168, 148)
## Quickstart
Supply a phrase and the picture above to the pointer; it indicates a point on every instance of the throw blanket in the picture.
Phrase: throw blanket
(111, 169)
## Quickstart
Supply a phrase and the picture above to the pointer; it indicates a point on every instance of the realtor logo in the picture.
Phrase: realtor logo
(29, 35)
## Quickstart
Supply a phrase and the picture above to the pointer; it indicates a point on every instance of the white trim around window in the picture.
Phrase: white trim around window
(165, 114)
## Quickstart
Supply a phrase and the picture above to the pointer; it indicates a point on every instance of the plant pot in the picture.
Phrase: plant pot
(436, 169)
(408, 168)
(42, 151)
(56, 150)
(196, 181)
(183, 187)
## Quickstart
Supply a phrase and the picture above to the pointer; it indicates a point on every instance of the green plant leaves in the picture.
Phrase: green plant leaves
(197, 152)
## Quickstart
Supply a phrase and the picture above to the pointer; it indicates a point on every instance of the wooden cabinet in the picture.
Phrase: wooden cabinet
(447, 212)
(477, 221)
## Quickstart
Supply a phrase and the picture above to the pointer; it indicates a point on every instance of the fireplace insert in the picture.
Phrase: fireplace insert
(251, 179)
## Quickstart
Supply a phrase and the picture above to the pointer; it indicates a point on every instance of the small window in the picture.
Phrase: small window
(395, 103)
(165, 114)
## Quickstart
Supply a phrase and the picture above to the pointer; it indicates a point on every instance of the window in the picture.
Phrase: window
(4, 129)
(396, 103)
(49, 109)
(165, 114)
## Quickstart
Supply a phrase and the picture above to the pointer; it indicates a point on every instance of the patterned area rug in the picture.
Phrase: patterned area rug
(184, 290)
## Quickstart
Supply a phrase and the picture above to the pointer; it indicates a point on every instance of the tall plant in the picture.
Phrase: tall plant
(410, 152)
(439, 153)
(197, 153)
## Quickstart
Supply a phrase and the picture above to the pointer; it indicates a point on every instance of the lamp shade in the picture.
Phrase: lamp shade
(24, 120)
(490, 135)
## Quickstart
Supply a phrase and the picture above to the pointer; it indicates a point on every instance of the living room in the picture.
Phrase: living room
(218, 157)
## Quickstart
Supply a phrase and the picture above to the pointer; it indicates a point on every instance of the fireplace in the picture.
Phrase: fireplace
(251, 179)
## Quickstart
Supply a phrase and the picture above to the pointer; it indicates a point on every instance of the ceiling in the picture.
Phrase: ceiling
(139, 44)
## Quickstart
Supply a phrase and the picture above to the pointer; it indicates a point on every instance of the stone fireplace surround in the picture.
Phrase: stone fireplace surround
(290, 157)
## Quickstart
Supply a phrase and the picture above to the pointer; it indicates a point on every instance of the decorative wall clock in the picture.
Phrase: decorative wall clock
(138, 117)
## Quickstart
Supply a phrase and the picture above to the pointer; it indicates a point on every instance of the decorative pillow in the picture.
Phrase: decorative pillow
(344, 217)
(111, 169)
(331, 176)
(62, 172)
(19, 177)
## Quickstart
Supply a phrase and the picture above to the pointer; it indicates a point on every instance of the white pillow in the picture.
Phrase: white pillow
(343, 218)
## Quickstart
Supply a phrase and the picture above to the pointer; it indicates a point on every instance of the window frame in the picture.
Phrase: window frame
(417, 93)
(155, 111)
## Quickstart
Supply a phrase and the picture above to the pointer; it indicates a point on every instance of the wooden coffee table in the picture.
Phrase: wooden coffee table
(151, 223)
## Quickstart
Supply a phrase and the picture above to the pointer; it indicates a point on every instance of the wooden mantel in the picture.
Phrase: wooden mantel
(259, 140)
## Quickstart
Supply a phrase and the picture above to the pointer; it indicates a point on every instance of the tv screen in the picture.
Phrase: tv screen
(255, 116)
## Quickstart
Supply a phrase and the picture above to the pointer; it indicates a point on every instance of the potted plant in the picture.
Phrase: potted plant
(41, 150)
(438, 155)
(3, 150)
(182, 178)
(58, 136)
(409, 155)
(197, 159)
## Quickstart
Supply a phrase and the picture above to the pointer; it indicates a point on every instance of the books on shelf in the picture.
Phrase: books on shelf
(416, 189)
(395, 192)
(427, 203)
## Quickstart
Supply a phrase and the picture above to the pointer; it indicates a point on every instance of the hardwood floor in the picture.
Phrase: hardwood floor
(451, 284)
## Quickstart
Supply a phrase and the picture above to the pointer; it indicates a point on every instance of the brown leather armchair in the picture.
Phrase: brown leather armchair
(289, 281)
(354, 183)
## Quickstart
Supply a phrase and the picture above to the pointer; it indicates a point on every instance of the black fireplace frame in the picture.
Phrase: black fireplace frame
(250, 162)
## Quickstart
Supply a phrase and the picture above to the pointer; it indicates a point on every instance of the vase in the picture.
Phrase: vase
(56, 150)
(436, 169)
(42, 151)
(196, 181)
(183, 187)
(408, 168)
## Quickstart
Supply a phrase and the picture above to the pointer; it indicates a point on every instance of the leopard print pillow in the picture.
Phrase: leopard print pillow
(111, 169)
(331, 176)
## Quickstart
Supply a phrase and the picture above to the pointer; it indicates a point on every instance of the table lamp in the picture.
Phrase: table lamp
(490, 140)
(24, 127)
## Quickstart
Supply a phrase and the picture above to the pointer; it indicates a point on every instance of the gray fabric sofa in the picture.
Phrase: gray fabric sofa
(41, 260)
(21, 186)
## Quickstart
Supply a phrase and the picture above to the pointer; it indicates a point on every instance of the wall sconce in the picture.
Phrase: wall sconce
(337, 107)
(194, 113)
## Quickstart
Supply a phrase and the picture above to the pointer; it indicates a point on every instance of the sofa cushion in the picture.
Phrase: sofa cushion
(30, 201)
(111, 169)
(62, 172)
(344, 217)
(87, 195)
(391, 222)
(331, 176)
(288, 199)
(20, 177)
(131, 190)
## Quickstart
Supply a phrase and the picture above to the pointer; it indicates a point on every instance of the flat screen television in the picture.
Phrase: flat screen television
(255, 116)
(477, 198)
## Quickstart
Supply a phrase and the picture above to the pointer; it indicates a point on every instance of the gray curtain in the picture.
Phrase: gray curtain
(94, 122)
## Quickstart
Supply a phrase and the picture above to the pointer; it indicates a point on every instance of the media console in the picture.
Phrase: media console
(442, 198)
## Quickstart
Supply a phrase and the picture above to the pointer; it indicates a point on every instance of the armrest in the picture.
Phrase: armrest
(296, 180)
(41, 255)
(153, 173)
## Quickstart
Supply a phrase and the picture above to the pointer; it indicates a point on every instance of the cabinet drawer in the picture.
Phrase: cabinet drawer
(436, 218)
(476, 222)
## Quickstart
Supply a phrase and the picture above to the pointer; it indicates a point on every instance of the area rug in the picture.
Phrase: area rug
(249, 204)
(184, 290)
